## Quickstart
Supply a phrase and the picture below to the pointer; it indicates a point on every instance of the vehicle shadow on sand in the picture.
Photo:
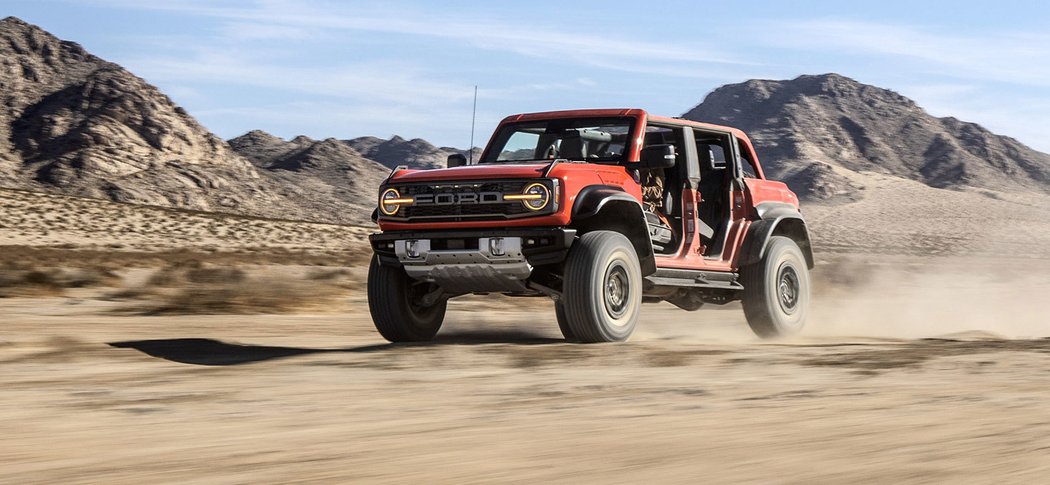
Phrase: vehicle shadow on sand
(211, 352)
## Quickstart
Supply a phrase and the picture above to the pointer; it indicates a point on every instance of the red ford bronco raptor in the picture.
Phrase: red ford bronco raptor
(600, 210)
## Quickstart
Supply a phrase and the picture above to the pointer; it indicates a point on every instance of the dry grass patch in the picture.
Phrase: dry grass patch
(194, 289)
(28, 281)
(244, 297)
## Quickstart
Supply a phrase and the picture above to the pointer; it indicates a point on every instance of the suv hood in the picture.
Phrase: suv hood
(473, 172)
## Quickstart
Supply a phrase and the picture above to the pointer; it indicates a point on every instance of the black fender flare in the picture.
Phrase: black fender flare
(593, 198)
(608, 207)
(776, 218)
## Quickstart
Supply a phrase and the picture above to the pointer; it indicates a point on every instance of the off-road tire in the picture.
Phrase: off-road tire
(776, 290)
(393, 301)
(563, 322)
(602, 290)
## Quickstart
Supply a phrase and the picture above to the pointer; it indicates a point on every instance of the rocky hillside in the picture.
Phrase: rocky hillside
(814, 130)
(74, 124)
(416, 153)
(327, 177)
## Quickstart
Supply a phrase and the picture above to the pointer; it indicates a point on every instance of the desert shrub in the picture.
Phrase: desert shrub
(89, 277)
(23, 280)
(139, 293)
(11, 278)
(213, 275)
(166, 277)
(15, 283)
(328, 274)
(249, 296)
(219, 290)
(41, 278)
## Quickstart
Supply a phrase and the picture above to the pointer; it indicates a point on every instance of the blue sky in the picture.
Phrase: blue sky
(346, 69)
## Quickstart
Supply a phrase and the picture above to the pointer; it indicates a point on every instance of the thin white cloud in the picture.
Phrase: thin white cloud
(606, 50)
(1001, 112)
(234, 55)
(998, 79)
(252, 31)
(352, 119)
(392, 81)
(1021, 58)
(966, 69)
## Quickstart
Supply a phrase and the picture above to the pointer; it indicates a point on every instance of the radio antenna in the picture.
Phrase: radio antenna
(473, 116)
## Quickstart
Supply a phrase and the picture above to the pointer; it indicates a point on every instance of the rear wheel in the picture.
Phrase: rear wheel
(603, 288)
(400, 306)
(776, 290)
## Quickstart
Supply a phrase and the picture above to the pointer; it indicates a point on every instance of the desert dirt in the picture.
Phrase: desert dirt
(252, 358)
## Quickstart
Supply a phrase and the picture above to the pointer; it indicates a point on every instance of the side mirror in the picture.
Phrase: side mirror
(456, 160)
(658, 156)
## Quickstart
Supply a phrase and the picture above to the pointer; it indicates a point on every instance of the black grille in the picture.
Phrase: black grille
(479, 210)
(468, 211)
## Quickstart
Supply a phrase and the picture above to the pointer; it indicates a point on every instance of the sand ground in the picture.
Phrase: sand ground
(144, 345)
(96, 391)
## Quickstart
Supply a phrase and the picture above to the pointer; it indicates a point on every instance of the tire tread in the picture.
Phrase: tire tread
(387, 306)
(756, 287)
(589, 251)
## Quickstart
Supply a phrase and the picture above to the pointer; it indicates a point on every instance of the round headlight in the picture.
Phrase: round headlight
(538, 197)
(389, 201)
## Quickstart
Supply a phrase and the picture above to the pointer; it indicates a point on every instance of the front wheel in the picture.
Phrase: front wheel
(603, 288)
(776, 290)
(563, 322)
(399, 307)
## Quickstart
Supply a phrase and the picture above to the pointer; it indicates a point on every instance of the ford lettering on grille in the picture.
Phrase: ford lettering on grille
(447, 198)
(461, 201)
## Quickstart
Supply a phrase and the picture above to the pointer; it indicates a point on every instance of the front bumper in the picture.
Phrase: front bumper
(473, 261)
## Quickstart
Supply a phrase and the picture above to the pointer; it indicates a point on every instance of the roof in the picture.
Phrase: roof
(614, 112)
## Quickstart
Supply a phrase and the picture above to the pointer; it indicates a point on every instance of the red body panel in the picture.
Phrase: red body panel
(574, 177)
(769, 191)
(690, 255)
(472, 172)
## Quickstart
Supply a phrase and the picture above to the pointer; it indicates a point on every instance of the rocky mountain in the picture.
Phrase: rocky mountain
(75, 124)
(813, 131)
(326, 176)
(416, 153)
(262, 148)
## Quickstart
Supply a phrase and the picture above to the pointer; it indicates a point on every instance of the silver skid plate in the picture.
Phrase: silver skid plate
(467, 270)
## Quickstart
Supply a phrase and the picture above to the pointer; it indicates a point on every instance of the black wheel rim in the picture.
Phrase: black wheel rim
(415, 292)
(789, 289)
(617, 290)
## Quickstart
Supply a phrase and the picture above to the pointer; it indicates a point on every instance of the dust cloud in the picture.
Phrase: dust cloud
(908, 298)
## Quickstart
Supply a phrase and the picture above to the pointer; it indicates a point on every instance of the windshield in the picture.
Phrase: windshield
(596, 140)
